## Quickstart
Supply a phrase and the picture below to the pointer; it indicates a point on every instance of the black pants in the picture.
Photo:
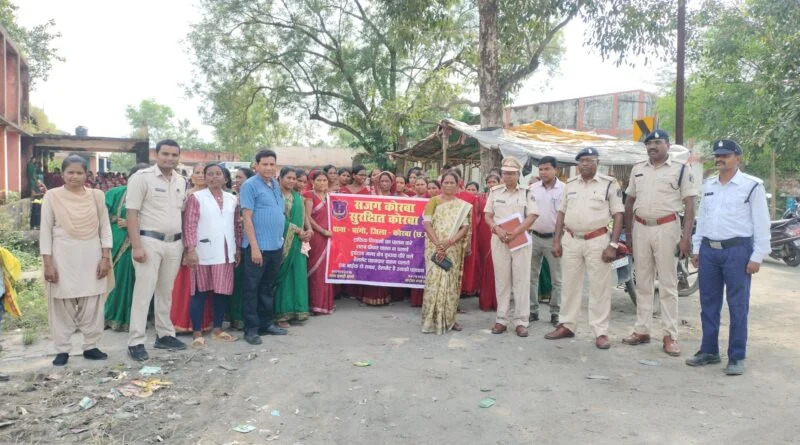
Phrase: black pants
(259, 289)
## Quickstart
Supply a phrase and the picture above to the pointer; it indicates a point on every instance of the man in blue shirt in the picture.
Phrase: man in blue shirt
(731, 240)
(263, 220)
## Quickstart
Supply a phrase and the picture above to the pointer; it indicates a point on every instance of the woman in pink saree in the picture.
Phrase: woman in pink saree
(316, 201)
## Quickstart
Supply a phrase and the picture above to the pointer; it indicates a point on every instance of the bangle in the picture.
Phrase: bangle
(106, 257)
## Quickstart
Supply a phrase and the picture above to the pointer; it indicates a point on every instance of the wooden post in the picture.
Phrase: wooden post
(445, 142)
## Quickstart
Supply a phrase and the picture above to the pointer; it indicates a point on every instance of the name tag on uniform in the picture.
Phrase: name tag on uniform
(160, 189)
(709, 194)
(640, 174)
(572, 193)
(500, 201)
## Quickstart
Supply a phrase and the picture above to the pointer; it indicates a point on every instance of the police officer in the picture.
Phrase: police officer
(731, 240)
(590, 200)
(657, 190)
(512, 270)
(154, 201)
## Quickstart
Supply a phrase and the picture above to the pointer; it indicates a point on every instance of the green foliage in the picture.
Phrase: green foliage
(150, 119)
(21, 246)
(38, 122)
(33, 305)
(122, 162)
(362, 69)
(36, 43)
(744, 85)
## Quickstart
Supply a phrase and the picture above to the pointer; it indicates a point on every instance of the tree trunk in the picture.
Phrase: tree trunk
(491, 99)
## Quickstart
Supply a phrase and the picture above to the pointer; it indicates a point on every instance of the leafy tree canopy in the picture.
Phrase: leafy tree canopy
(36, 43)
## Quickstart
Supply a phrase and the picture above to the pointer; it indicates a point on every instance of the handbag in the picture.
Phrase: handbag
(445, 263)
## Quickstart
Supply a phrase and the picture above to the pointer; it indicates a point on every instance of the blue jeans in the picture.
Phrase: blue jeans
(259, 289)
(725, 268)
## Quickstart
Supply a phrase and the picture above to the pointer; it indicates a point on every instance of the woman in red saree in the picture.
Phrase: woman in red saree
(356, 186)
(316, 201)
(488, 297)
(381, 295)
(471, 278)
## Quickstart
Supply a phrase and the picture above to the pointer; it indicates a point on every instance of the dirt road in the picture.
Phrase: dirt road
(304, 388)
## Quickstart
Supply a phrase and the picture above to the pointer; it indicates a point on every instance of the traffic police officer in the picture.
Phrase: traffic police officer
(512, 270)
(154, 201)
(590, 201)
(731, 240)
(658, 189)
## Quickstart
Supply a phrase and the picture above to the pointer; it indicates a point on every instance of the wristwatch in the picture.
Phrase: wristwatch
(614, 245)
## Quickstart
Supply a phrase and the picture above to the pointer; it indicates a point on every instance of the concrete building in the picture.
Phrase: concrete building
(612, 114)
(14, 83)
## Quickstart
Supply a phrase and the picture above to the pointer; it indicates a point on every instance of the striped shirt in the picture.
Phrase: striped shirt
(266, 203)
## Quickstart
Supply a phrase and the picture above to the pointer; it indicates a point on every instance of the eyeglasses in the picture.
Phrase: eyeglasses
(587, 161)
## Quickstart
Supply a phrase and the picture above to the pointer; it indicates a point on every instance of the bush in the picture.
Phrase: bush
(33, 305)
(21, 246)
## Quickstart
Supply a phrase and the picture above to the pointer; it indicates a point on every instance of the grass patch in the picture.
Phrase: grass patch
(33, 304)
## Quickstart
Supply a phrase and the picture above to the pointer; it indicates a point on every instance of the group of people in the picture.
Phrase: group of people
(252, 248)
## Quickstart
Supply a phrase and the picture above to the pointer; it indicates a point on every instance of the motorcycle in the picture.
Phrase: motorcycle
(785, 239)
(623, 265)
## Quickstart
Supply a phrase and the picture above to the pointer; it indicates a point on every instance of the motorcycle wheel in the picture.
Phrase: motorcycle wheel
(793, 259)
(630, 288)
(688, 281)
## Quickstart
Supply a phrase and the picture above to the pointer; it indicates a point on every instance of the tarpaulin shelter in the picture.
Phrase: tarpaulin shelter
(534, 140)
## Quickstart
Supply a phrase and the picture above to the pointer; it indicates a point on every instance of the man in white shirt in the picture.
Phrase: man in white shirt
(729, 244)
(547, 193)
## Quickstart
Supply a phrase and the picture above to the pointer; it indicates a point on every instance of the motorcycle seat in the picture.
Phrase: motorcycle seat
(780, 223)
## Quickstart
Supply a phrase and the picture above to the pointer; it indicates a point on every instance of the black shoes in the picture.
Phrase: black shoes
(138, 353)
(554, 319)
(533, 317)
(169, 342)
(61, 359)
(735, 367)
(701, 358)
(94, 354)
(252, 338)
(272, 330)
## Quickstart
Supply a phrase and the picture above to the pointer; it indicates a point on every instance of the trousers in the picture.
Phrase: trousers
(154, 279)
(725, 269)
(654, 254)
(543, 248)
(259, 289)
(582, 256)
(512, 272)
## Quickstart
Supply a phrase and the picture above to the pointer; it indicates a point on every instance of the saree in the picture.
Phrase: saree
(291, 297)
(354, 290)
(320, 293)
(118, 305)
(487, 300)
(443, 287)
(470, 283)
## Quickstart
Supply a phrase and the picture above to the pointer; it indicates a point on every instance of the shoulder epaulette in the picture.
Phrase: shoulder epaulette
(498, 187)
(574, 178)
(753, 178)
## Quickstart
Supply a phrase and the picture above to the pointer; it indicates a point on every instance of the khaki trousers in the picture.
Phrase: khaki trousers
(154, 276)
(543, 248)
(579, 257)
(654, 255)
(512, 272)
(84, 314)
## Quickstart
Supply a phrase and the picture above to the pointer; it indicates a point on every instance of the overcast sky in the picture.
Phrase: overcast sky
(120, 52)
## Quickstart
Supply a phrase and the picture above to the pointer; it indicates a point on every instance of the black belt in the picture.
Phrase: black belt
(542, 235)
(160, 236)
(725, 244)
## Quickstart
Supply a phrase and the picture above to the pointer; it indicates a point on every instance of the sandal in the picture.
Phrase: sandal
(223, 336)
(457, 327)
(283, 324)
(199, 342)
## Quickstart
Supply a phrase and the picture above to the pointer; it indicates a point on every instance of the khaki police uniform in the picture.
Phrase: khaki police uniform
(587, 206)
(512, 270)
(658, 194)
(159, 201)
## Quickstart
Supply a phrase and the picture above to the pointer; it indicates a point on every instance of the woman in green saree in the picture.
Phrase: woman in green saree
(291, 297)
(118, 303)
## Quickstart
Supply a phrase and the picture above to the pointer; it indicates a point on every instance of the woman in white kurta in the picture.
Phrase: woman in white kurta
(75, 243)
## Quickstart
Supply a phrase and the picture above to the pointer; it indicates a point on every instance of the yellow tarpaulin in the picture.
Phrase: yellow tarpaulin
(540, 131)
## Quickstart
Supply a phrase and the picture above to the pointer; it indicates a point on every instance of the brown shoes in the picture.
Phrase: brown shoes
(521, 331)
(498, 328)
(671, 346)
(560, 332)
(636, 339)
(602, 342)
